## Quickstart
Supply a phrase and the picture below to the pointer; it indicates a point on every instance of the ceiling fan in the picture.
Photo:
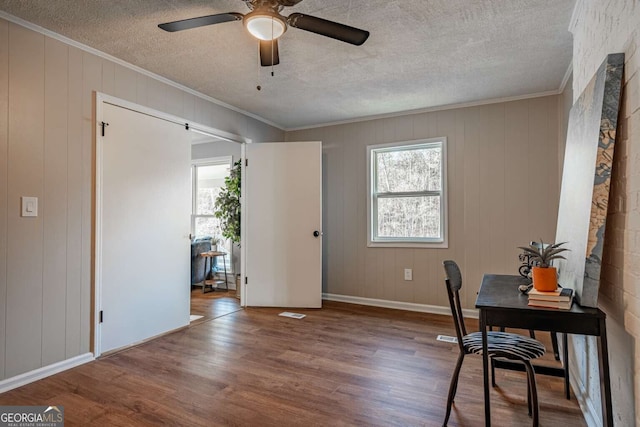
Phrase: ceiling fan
(267, 24)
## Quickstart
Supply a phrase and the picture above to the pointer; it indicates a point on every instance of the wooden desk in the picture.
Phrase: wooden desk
(501, 304)
(211, 255)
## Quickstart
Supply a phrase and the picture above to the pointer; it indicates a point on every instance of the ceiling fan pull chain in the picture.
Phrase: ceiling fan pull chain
(272, 47)
(258, 87)
(272, 74)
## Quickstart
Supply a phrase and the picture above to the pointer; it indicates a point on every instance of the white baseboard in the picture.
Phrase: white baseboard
(398, 305)
(586, 403)
(45, 371)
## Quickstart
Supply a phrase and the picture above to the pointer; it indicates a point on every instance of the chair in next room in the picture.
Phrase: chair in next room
(499, 344)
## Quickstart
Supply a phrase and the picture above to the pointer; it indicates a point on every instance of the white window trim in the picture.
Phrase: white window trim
(444, 243)
(209, 161)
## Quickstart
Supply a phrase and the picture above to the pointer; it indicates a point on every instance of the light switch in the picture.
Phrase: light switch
(29, 206)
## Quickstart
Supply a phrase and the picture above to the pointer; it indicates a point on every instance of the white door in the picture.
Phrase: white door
(283, 208)
(143, 224)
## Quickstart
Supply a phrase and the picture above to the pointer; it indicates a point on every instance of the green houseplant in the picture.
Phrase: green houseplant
(227, 205)
(215, 241)
(545, 277)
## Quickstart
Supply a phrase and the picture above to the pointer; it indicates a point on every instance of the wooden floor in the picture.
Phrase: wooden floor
(341, 365)
(211, 305)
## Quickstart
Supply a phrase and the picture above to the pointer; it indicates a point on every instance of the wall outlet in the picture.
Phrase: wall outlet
(408, 274)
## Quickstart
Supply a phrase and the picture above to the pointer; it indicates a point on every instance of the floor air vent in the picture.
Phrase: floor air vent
(447, 338)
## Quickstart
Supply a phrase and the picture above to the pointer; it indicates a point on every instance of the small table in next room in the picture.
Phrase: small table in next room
(213, 283)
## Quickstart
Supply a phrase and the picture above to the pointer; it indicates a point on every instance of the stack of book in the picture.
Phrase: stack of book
(561, 298)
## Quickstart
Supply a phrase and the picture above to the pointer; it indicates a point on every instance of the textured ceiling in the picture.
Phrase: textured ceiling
(421, 53)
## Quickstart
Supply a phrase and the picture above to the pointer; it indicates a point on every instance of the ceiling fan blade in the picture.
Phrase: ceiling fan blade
(201, 21)
(269, 56)
(326, 28)
(288, 3)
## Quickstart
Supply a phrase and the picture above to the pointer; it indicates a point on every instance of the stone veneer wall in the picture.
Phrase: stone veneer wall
(601, 27)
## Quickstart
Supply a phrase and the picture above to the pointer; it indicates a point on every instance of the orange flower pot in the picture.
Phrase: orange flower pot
(545, 279)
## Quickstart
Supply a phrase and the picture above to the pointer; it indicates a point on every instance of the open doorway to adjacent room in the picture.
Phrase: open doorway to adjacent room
(142, 224)
(213, 283)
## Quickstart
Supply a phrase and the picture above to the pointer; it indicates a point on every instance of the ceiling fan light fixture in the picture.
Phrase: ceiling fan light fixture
(265, 26)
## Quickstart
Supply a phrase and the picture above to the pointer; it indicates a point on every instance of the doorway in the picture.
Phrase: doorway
(282, 223)
(142, 222)
(143, 184)
(207, 181)
(141, 278)
(208, 178)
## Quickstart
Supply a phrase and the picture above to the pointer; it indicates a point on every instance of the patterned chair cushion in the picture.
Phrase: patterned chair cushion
(504, 344)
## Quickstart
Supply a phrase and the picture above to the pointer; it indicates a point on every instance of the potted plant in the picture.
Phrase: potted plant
(545, 277)
(227, 206)
(215, 241)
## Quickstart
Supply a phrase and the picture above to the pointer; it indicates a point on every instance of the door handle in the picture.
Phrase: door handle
(316, 233)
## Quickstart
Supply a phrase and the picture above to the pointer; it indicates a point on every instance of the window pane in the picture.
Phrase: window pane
(207, 226)
(210, 181)
(409, 170)
(411, 217)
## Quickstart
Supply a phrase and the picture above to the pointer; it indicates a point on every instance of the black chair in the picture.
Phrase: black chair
(499, 344)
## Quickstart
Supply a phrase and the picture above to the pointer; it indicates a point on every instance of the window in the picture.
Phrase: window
(407, 203)
(207, 180)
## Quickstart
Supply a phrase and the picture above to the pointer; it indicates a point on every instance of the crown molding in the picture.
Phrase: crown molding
(429, 110)
(577, 10)
(567, 76)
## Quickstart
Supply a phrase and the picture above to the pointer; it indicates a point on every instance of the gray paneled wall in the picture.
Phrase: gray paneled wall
(4, 185)
(503, 192)
(25, 178)
(47, 151)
